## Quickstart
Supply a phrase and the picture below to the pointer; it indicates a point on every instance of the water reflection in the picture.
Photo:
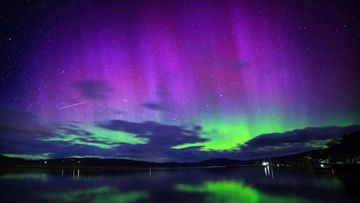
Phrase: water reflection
(269, 171)
(25, 176)
(97, 195)
(75, 173)
(229, 191)
(263, 184)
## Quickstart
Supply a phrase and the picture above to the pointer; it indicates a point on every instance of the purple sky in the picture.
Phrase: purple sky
(198, 78)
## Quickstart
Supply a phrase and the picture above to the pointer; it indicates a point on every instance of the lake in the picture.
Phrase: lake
(211, 185)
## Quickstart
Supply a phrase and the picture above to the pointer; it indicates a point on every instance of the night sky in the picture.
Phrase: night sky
(175, 80)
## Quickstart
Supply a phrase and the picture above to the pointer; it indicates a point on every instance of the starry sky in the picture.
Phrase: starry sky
(174, 80)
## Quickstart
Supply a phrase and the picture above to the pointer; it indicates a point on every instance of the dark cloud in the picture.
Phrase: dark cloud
(156, 106)
(158, 133)
(16, 120)
(302, 135)
(93, 89)
(161, 138)
(19, 130)
(20, 133)
(292, 142)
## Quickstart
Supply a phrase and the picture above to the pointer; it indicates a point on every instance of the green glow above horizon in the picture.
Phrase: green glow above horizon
(176, 81)
(229, 191)
(229, 134)
(29, 156)
(97, 195)
(99, 137)
(222, 134)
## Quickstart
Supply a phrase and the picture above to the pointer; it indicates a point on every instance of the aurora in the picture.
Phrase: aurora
(230, 191)
(175, 80)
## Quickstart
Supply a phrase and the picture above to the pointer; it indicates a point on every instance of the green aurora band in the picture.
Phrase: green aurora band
(228, 134)
(224, 134)
(99, 138)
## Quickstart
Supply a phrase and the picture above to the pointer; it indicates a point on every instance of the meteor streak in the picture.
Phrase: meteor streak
(72, 105)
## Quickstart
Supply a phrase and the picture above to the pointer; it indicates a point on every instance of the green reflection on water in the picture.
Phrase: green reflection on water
(229, 191)
(24, 176)
(97, 195)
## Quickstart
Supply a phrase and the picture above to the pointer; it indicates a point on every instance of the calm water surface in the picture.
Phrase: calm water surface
(213, 185)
